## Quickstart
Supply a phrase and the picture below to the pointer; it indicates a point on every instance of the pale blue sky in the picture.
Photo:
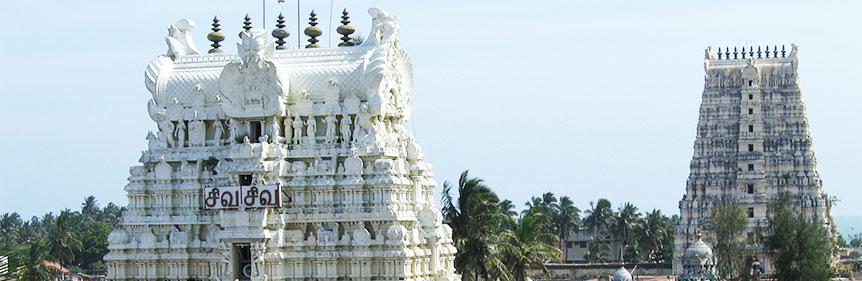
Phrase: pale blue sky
(582, 98)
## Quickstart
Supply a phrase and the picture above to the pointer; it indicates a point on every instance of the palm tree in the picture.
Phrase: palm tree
(652, 233)
(597, 250)
(27, 262)
(10, 231)
(567, 220)
(62, 239)
(507, 210)
(624, 224)
(599, 216)
(475, 220)
(524, 246)
(90, 206)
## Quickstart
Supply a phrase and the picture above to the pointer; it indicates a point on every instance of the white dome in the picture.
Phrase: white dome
(622, 275)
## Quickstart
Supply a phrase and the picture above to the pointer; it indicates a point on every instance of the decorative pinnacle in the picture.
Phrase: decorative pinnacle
(767, 51)
(759, 52)
(215, 37)
(782, 51)
(751, 52)
(719, 53)
(345, 30)
(743, 52)
(775, 51)
(247, 23)
(313, 31)
(280, 33)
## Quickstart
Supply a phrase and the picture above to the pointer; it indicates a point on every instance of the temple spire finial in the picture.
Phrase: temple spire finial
(280, 33)
(215, 37)
(313, 31)
(345, 29)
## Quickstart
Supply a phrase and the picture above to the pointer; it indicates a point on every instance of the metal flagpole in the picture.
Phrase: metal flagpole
(330, 24)
(298, 28)
(264, 14)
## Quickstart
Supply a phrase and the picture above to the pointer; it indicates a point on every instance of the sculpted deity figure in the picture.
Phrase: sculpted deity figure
(330, 128)
(311, 129)
(257, 251)
(384, 28)
(225, 259)
(181, 133)
(179, 39)
(156, 143)
(197, 132)
(218, 131)
(233, 126)
(274, 130)
(288, 130)
(166, 127)
(297, 129)
(345, 128)
(254, 85)
(365, 129)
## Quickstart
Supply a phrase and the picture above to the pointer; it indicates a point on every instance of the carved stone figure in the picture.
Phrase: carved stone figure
(351, 104)
(197, 132)
(311, 130)
(166, 127)
(288, 129)
(345, 128)
(181, 133)
(155, 143)
(233, 126)
(218, 131)
(274, 130)
(331, 95)
(297, 129)
(179, 39)
(330, 128)
(257, 262)
(255, 85)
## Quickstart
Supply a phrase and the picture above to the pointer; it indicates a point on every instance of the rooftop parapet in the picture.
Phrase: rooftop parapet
(750, 52)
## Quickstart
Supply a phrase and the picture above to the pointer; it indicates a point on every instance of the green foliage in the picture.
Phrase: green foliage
(856, 240)
(599, 216)
(26, 262)
(796, 245)
(77, 240)
(475, 219)
(727, 221)
(523, 247)
(597, 250)
(623, 224)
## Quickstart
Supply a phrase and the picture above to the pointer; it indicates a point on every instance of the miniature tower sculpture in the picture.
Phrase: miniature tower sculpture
(243, 201)
(752, 143)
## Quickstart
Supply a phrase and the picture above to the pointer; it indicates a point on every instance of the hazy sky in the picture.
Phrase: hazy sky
(587, 99)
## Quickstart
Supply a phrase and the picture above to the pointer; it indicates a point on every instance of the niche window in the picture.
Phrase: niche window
(244, 180)
(750, 111)
(750, 83)
(751, 96)
(750, 128)
(241, 261)
(750, 147)
(750, 167)
(749, 189)
(256, 131)
(750, 212)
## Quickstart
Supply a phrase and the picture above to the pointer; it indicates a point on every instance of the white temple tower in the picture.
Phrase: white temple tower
(281, 164)
(752, 143)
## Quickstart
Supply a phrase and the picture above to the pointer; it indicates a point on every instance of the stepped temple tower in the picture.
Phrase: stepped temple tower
(279, 163)
(752, 143)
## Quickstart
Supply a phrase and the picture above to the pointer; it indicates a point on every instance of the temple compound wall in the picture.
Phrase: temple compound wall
(752, 143)
(276, 163)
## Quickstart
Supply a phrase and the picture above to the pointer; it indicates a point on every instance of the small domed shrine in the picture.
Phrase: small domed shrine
(622, 275)
(698, 263)
(275, 163)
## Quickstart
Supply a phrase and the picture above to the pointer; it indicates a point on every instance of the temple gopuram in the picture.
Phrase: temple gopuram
(278, 163)
(752, 144)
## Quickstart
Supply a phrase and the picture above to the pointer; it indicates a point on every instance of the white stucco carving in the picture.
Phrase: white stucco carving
(356, 201)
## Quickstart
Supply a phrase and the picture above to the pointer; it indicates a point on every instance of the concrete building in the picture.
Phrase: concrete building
(276, 163)
(752, 142)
